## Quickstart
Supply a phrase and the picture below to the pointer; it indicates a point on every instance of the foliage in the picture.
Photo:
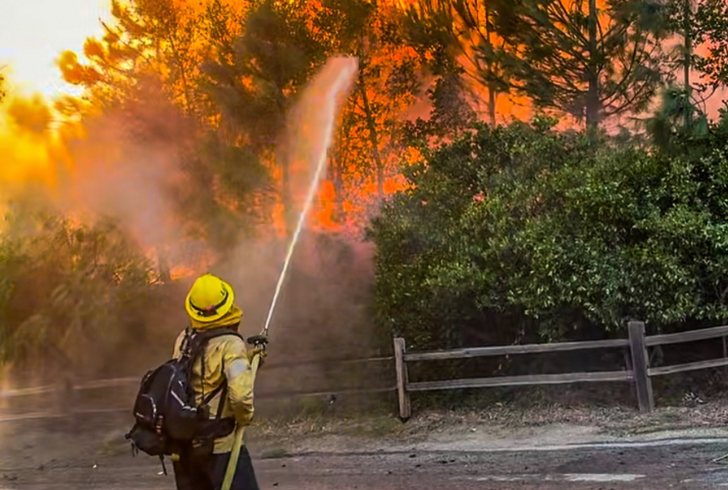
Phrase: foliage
(711, 17)
(589, 62)
(446, 32)
(70, 293)
(522, 230)
(676, 120)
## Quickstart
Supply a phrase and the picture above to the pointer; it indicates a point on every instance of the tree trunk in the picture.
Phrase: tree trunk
(287, 196)
(334, 172)
(592, 97)
(338, 180)
(183, 76)
(492, 94)
(492, 97)
(284, 163)
(373, 137)
(687, 15)
(164, 272)
(339, 164)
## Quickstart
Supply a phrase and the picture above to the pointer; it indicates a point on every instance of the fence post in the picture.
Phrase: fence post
(405, 410)
(642, 381)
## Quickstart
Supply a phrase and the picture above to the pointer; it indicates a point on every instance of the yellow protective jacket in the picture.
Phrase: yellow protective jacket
(226, 357)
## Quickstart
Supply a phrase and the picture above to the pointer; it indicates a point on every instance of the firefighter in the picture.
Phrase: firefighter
(210, 303)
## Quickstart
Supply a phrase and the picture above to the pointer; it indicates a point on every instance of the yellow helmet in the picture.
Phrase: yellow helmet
(209, 299)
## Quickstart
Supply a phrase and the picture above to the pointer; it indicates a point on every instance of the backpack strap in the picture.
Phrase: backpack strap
(197, 343)
(185, 347)
(198, 346)
(221, 403)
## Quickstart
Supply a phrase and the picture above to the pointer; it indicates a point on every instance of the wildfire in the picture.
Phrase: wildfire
(182, 271)
(81, 168)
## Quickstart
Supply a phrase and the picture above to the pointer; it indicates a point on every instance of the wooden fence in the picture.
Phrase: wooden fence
(640, 374)
(125, 388)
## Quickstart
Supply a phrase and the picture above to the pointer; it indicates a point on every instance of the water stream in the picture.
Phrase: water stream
(346, 69)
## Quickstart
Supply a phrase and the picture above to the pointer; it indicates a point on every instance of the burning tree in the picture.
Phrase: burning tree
(458, 37)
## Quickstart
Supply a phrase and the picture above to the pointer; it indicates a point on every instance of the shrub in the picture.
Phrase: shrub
(523, 231)
(70, 292)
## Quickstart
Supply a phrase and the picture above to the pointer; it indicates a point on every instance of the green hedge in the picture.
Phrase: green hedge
(527, 232)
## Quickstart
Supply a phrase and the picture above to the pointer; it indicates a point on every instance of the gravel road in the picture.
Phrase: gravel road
(91, 454)
(679, 466)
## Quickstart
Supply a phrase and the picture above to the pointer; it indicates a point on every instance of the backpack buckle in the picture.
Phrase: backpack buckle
(158, 425)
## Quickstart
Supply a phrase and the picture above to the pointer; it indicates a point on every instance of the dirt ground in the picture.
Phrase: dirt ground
(573, 449)
(679, 467)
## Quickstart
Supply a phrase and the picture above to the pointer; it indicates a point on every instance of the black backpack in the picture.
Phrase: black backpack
(167, 418)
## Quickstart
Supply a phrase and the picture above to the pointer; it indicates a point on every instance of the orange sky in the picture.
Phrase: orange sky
(33, 33)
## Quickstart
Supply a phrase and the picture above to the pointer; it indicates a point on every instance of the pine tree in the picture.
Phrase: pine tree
(458, 38)
(154, 51)
(148, 38)
(711, 18)
(589, 60)
(255, 77)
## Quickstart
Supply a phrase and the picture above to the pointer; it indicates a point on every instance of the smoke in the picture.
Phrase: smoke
(122, 169)
(322, 312)
(128, 161)
(100, 169)
(118, 164)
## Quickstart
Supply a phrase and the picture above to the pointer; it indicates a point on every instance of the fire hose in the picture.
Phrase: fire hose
(258, 341)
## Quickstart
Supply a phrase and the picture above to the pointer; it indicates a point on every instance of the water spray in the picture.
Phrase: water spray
(341, 84)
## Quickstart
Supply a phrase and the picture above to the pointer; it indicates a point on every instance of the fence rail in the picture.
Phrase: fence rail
(639, 375)
(525, 380)
(64, 387)
(691, 336)
(440, 355)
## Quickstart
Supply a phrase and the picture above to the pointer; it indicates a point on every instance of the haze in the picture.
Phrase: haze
(34, 32)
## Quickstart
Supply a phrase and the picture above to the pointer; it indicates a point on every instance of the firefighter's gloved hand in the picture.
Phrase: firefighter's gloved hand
(259, 348)
(257, 351)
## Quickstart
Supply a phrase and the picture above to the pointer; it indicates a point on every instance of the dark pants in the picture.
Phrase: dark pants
(208, 472)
